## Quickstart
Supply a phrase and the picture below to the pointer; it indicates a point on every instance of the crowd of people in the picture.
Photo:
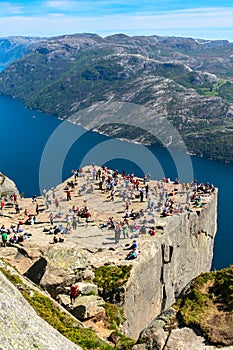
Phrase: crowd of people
(153, 200)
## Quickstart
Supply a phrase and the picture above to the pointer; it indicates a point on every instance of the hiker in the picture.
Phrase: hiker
(74, 292)
(15, 198)
(68, 195)
(51, 218)
(17, 209)
(74, 222)
(125, 230)
(88, 217)
(37, 209)
(142, 229)
(4, 239)
(57, 203)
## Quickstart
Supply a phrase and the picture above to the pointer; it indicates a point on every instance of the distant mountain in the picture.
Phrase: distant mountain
(14, 47)
(185, 80)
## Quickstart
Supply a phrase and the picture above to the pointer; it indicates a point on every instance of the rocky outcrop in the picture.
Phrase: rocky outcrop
(57, 269)
(22, 328)
(166, 265)
(88, 306)
(163, 333)
(180, 251)
(7, 186)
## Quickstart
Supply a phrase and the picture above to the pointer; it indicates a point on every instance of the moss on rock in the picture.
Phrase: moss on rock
(111, 277)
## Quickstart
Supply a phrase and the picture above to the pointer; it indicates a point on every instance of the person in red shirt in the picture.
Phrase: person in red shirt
(2, 205)
(88, 217)
(15, 197)
(74, 292)
(68, 195)
(152, 232)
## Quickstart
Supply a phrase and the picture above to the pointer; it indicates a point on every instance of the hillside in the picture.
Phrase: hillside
(14, 47)
(187, 81)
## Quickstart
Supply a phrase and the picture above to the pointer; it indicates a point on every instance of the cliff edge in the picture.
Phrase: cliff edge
(94, 251)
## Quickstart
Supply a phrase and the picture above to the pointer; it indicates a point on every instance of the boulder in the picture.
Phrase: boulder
(63, 299)
(58, 269)
(88, 306)
(185, 338)
(87, 288)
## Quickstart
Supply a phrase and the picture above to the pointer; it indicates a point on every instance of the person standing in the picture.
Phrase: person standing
(74, 292)
(74, 221)
(88, 217)
(51, 218)
(4, 239)
(68, 195)
(15, 197)
(2, 205)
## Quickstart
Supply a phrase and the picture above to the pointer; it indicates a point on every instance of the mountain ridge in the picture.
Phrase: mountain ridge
(188, 81)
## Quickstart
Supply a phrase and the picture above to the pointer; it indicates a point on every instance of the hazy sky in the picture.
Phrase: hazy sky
(207, 19)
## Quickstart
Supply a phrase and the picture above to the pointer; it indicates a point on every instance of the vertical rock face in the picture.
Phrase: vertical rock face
(168, 263)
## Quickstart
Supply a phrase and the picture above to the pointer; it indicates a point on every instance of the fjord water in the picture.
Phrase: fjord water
(25, 133)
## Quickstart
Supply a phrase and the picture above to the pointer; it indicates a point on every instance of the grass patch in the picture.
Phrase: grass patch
(111, 277)
(208, 306)
(115, 318)
(115, 315)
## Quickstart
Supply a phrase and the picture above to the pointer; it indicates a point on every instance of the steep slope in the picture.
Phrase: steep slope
(185, 80)
(21, 327)
(13, 48)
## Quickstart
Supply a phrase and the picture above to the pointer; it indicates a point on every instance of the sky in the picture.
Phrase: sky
(206, 19)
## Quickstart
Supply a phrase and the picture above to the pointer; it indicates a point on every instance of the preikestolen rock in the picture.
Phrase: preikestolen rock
(88, 306)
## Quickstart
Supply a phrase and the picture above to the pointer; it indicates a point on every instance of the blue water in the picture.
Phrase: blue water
(38, 150)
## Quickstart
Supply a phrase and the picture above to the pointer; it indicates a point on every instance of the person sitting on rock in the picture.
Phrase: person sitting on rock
(133, 246)
(152, 232)
(132, 255)
(74, 292)
(142, 229)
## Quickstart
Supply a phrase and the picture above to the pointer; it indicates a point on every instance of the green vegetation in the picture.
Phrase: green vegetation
(115, 317)
(61, 321)
(62, 77)
(111, 277)
(66, 325)
(226, 91)
(209, 306)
